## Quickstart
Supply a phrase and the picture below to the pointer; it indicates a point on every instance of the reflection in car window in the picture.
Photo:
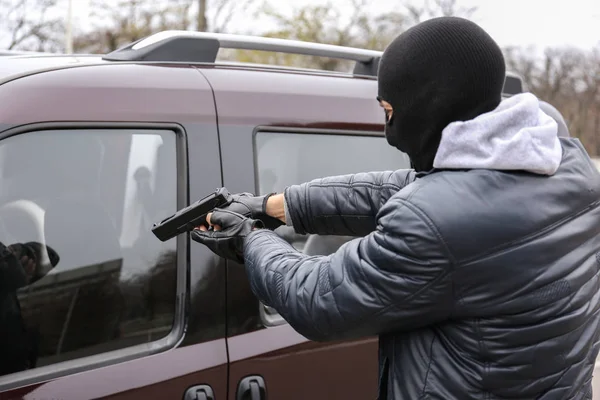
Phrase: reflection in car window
(80, 271)
(284, 159)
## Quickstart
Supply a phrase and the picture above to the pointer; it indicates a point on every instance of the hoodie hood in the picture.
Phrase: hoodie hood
(516, 136)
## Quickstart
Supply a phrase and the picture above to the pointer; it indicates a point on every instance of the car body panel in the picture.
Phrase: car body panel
(121, 92)
(140, 379)
(295, 368)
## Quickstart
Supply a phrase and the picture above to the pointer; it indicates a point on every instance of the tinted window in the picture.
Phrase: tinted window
(87, 275)
(284, 159)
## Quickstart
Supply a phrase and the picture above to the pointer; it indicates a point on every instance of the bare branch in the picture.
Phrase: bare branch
(415, 13)
(437, 8)
(234, 8)
(26, 23)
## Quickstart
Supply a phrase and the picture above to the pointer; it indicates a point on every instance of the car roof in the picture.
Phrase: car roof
(13, 67)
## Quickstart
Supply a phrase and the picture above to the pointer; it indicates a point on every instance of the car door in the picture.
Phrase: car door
(121, 315)
(277, 129)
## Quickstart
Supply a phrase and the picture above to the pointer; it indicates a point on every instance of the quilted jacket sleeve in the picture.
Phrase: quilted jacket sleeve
(397, 278)
(343, 205)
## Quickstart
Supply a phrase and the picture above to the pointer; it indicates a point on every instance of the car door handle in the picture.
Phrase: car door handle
(200, 392)
(252, 388)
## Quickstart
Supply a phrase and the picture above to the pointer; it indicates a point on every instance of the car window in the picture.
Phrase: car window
(284, 159)
(86, 274)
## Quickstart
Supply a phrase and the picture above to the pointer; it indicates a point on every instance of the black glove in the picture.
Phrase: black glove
(22, 250)
(31, 254)
(254, 207)
(42, 270)
(229, 241)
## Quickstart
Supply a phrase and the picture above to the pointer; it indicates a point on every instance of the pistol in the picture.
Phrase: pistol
(190, 217)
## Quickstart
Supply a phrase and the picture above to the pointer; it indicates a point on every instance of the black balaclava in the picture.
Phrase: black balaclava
(442, 70)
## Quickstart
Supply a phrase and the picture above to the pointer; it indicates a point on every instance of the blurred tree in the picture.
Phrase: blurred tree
(28, 27)
(126, 21)
(437, 8)
(569, 79)
(224, 10)
(327, 24)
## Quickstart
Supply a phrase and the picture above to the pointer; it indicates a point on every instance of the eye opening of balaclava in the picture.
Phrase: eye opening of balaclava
(442, 70)
(388, 117)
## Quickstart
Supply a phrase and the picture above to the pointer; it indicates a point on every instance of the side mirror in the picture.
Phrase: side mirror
(513, 84)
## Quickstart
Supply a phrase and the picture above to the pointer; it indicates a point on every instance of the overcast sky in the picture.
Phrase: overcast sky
(511, 22)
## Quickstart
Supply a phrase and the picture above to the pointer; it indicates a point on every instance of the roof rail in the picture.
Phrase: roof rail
(202, 47)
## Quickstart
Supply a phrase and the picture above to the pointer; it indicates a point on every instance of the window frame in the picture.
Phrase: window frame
(176, 335)
(268, 318)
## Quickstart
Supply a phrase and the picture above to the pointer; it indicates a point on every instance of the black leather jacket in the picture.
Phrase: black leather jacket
(482, 284)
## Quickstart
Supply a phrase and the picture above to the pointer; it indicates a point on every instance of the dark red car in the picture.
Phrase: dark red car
(94, 150)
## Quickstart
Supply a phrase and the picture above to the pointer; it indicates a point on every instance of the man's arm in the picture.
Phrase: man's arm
(398, 278)
(339, 205)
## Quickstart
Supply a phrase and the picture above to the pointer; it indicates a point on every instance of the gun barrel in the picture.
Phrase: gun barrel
(190, 217)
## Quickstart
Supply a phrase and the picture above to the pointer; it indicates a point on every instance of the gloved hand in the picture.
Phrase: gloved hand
(30, 255)
(228, 242)
(254, 207)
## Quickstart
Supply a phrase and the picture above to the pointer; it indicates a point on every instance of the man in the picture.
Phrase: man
(478, 268)
(20, 265)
